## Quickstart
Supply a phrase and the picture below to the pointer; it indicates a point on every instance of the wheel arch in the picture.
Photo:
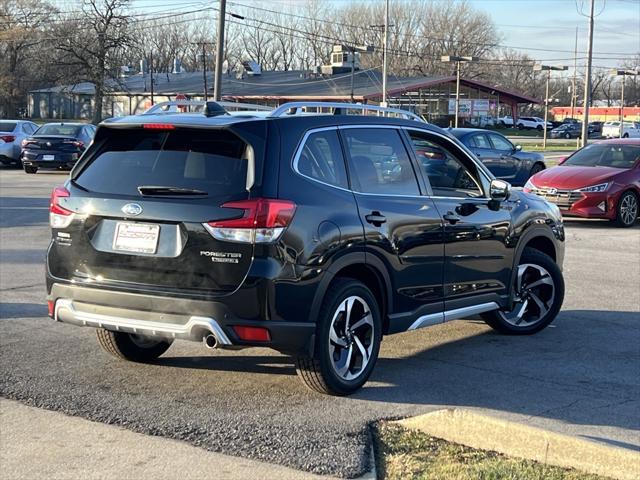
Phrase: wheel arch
(370, 272)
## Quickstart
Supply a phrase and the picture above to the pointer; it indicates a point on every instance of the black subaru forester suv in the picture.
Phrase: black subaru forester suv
(314, 235)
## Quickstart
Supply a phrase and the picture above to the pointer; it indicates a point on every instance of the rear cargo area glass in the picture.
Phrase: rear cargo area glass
(213, 161)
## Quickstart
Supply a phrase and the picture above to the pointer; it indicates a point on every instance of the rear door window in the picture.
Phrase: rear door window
(321, 159)
(215, 162)
(379, 162)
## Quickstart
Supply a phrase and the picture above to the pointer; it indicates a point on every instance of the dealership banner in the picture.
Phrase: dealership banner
(464, 110)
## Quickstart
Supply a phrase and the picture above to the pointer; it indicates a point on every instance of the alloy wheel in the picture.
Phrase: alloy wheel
(351, 337)
(534, 295)
(629, 209)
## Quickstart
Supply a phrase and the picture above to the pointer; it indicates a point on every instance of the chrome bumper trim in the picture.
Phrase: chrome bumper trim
(65, 312)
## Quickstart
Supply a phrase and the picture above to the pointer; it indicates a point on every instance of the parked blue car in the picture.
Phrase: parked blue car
(504, 159)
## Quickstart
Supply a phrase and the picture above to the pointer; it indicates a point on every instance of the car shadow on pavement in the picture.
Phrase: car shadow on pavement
(262, 364)
(583, 369)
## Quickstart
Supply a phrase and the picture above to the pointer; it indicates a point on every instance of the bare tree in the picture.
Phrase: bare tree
(94, 49)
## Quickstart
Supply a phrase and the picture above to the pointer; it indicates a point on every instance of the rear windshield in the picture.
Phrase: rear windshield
(7, 126)
(211, 161)
(603, 155)
(65, 130)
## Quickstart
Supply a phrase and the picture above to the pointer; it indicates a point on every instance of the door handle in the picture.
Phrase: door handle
(451, 217)
(376, 219)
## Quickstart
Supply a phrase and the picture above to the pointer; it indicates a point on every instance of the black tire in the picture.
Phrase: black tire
(30, 169)
(318, 372)
(626, 135)
(627, 219)
(567, 136)
(496, 319)
(537, 168)
(539, 128)
(126, 346)
(520, 126)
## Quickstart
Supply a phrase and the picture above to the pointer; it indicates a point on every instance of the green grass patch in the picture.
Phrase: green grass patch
(514, 132)
(406, 454)
(552, 147)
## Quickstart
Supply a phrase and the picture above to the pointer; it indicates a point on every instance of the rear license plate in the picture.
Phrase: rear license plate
(136, 237)
(48, 157)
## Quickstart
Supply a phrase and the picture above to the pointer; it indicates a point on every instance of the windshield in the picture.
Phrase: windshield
(63, 130)
(602, 155)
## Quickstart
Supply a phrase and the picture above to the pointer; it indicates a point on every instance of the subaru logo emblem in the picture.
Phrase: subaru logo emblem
(132, 209)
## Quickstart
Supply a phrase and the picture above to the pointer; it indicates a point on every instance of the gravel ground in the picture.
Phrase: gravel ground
(578, 377)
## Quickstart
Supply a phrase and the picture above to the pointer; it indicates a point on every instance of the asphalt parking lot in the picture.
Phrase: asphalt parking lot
(581, 376)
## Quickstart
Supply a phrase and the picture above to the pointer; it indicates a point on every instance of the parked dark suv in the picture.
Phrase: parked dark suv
(311, 234)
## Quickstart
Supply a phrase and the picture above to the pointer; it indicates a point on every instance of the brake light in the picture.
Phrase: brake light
(158, 126)
(263, 221)
(252, 334)
(59, 217)
(7, 138)
(75, 143)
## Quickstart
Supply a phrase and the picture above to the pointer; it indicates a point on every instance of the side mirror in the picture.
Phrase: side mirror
(518, 147)
(499, 190)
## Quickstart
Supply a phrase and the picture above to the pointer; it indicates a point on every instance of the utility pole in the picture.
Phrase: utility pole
(547, 68)
(204, 69)
(217, 85)
(384, 54)
(574, 94)
(587, 80)
(458, 60)
(151, 75)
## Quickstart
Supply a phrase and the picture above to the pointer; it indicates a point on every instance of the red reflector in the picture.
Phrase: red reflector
(158, 126)
(259, 213)
(50, 306)
(252, 334)
(54, 204)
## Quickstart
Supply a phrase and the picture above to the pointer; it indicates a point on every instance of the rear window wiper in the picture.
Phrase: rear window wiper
(156, 190)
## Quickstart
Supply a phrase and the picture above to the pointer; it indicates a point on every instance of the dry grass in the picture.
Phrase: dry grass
(405, 454)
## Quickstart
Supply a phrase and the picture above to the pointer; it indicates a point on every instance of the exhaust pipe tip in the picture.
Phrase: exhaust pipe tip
(210, 341)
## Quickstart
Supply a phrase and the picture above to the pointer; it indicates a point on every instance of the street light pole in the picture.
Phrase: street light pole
(623, 74)
(547, 68)
(458, 60)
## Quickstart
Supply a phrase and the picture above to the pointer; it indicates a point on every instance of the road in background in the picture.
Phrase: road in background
(579, 377)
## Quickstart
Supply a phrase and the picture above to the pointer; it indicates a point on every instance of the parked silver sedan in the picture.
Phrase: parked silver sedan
(12, 132)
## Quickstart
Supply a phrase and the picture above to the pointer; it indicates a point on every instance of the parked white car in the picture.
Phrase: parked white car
(536, 123)
(629, 129)
(12, 132)
(505, 121)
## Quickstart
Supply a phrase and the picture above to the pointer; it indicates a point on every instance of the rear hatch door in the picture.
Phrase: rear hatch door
(141, 197)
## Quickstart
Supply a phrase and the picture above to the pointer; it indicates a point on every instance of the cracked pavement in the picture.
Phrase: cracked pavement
(581, 376)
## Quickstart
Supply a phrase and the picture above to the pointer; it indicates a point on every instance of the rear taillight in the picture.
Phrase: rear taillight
(59, 217)
(75, 143)
(264, 220)
(7, 138)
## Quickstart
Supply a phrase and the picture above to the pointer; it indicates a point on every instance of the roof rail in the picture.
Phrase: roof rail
(209, 108)
(296, 108)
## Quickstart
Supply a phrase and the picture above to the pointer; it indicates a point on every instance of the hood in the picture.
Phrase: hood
(572, 178)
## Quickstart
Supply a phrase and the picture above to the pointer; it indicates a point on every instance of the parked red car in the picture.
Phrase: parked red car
(601, 180)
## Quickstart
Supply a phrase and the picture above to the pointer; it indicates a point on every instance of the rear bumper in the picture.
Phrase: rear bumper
(170, 317)
(49, 163)
(62, 160)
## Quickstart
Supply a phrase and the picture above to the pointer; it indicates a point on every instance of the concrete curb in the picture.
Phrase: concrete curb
(517, 440)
